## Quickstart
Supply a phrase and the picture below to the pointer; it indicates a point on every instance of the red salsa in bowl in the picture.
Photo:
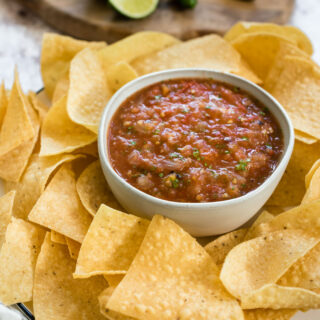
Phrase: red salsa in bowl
(194, 140)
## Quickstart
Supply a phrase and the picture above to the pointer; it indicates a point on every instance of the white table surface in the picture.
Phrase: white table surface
(20, 43)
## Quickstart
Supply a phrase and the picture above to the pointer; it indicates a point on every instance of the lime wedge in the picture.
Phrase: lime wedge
(134, 9)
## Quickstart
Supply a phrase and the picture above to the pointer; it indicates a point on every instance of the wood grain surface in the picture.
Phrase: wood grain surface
(96, 20)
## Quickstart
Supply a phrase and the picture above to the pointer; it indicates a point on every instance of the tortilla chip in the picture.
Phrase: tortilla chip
(220, 247)
(56, 294)
(290, 33)
(17, 126)
(113, 279)
(111, 243)
(57, 237)
(262, 261)
(6, 204)
(311, 172)
(61, 88)
(88, 90)
(109, 314)
(73, 247)
(305, 273)
(260, 51)
(41, 108)
(18, 257)
(269, 314)
(94, 190)
(304, 137)
(59, 134)
(291, 189)
(119, 74)
(277, 297)
(59, 207)
(172, 277)
(304, 217)
(134, 46)
(290, 90)
(56, 55)
(3, 102)
(14, 162)
(264, 217)
(33, 182)
(210, 51)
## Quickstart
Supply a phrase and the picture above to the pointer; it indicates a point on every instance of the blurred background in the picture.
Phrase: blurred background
(21, 31)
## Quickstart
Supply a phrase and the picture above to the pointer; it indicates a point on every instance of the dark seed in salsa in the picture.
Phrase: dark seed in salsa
(194, 140)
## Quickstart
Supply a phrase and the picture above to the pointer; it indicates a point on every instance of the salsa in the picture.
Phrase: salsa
(194, 140)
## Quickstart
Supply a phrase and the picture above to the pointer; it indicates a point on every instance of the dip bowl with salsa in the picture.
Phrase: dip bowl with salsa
(204, 148)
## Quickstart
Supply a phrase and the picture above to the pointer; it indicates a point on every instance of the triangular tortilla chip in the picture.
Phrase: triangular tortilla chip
(172, 277)
(18, 257)
(59, 207)
(94, 190)
(56, 294)
(111, 243)
(59, 134)
(88, 91)
(56, 54)
(33, 182)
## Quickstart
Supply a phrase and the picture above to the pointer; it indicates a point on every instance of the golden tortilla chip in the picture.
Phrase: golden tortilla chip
(18, 257)
(304, 137)
(304, 217)
(73, 247)
(259, 263)
(56, 294)
(269, 314)
(305, 273)
(59, 134)
(33, 182)
(119, 74)
(57, 237)
(210, 51)
(220, 247)
(109, 314)
(134, 46)
(298, 90)
(56, 55)
(88, 90)
(111, 243)
(172, 277)
(3, 102)
(14, 162)
(17, 126)
(290, 33)
(291, 188)
(277, 297)
(94, 190)
(61, 88)
(261, 50)
(263, 260)
(59, 207)
(6, 204)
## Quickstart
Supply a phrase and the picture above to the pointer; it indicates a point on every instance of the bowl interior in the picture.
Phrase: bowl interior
(140, 83)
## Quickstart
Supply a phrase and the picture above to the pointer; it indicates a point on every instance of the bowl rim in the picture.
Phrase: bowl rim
(152, 77)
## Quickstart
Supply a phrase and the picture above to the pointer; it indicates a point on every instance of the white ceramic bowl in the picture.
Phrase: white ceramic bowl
(199, 219)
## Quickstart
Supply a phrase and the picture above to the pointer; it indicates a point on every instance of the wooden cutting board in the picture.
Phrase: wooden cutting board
(96, 20)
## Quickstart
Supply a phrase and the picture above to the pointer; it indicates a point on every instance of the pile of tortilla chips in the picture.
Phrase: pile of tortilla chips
(69, 252)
